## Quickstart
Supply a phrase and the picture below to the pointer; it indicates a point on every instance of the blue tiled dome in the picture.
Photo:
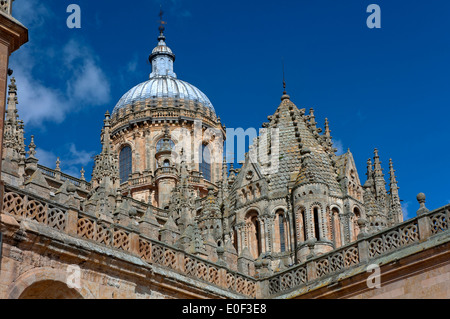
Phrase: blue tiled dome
(163, 87)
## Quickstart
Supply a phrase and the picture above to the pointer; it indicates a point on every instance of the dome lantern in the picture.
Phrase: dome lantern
(162, 58)
(163, 83)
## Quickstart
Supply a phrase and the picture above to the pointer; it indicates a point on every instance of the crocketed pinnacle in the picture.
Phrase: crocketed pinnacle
(378, 176)
(106, 163)
(392, 178)
(369, 181)
(395, 214)
(14, 141)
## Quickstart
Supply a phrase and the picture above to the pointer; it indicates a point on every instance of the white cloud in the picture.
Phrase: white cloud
(42, 62)
(340, 147)
(90, 85)
(79, 157)
(405, 211)
(38, 103)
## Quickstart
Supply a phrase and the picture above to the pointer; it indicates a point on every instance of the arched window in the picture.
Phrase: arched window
(357, 215)
(336, 227)
(205, 162)
(316, 222)
(357, 212)
(253, 235)
(282, 230)
(125, 164)
(303, 214)
(235, 239)
(166, 163)
(160, 144)
(301, 224)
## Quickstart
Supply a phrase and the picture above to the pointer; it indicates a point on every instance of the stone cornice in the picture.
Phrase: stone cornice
(12, 32)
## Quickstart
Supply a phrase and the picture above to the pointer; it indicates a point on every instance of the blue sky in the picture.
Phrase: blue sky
(386, 88)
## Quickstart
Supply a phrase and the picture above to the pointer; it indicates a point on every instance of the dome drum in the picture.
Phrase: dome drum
(175, 111)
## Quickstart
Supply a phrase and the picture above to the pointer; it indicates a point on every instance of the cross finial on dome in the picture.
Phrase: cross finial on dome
(285, 95)
(161, 23)
(162, 57)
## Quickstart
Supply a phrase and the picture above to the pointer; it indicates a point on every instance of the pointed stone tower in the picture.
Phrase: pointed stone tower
(395, 214)
(106, 169)
(13, 149)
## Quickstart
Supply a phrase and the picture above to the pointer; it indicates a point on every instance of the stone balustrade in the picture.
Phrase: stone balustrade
(86, 226)
(140, 180)
(58, 175)
(139, 113)
(358, 253)
(162, 171)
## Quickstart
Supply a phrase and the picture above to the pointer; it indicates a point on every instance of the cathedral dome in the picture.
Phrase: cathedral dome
(163, 82)
(163, 87)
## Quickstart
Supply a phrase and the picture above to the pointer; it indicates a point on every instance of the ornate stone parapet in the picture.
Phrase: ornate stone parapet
(32, 209)
(365, 250)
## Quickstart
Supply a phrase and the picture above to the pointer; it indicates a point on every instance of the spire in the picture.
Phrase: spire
(14, 141)
(82, 171)
(392, 177)
(380, 183)
(369, 181)
(105, 164)
(327, 128)
(312, 118)
(225, 171)
(162, 57)
(32, 148)
(395, 213)
(327, 134)
(11, 112)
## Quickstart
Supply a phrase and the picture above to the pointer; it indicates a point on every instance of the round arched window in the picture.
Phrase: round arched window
(125, 164)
